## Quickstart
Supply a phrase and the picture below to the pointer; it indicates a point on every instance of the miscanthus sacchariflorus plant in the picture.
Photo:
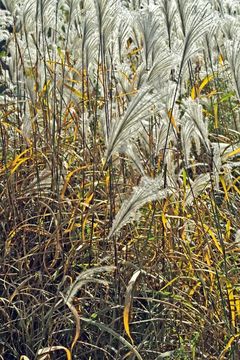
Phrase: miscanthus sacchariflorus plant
(119, 179)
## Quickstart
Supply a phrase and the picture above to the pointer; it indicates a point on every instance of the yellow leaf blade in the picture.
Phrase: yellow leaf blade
(77, 319)
(172, 120)
(233, 153)
(227, 347)
(205, 81)
(231, 300)
(213, 236)
(196, 89)
(49, 349)
(128, 301)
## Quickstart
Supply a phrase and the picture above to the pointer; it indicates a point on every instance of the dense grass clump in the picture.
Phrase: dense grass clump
(119, 179)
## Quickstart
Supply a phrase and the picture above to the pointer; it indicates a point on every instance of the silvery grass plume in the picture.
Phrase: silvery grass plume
(211, 48)
(125, 84)
(83, 43)
(75, 24)
(193, 128)
(149, 30)
(217, 149)
(26, 46)
(237, 238)
(11, 5)
(41, 12)
(222, 164)
(149, 35)
(218, 6)
(195, 21)
(142, 105)
(169, 93)
(231, 7)
(184, 9)
(160, 70)
(5, 24)
(134, 5)
(163, 134)
(200, 184)
(233, 50)
(148, 190)
(124, 33)
(107, 22)
(160, 130)
(168, 10)
(89, 41)
(128, 126)
(86, 277)
(171, 167)
(229, 26)
(188, 137)
(132, 151)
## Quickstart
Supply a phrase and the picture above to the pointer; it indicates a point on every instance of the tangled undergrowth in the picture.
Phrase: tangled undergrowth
(119, 179)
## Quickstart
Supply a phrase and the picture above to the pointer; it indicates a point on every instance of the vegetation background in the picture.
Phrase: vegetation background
(119, 179)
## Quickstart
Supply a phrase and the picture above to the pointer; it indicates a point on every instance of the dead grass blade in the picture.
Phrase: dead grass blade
(128, 302)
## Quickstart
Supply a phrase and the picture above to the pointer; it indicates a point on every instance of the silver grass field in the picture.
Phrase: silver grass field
(119, 179)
